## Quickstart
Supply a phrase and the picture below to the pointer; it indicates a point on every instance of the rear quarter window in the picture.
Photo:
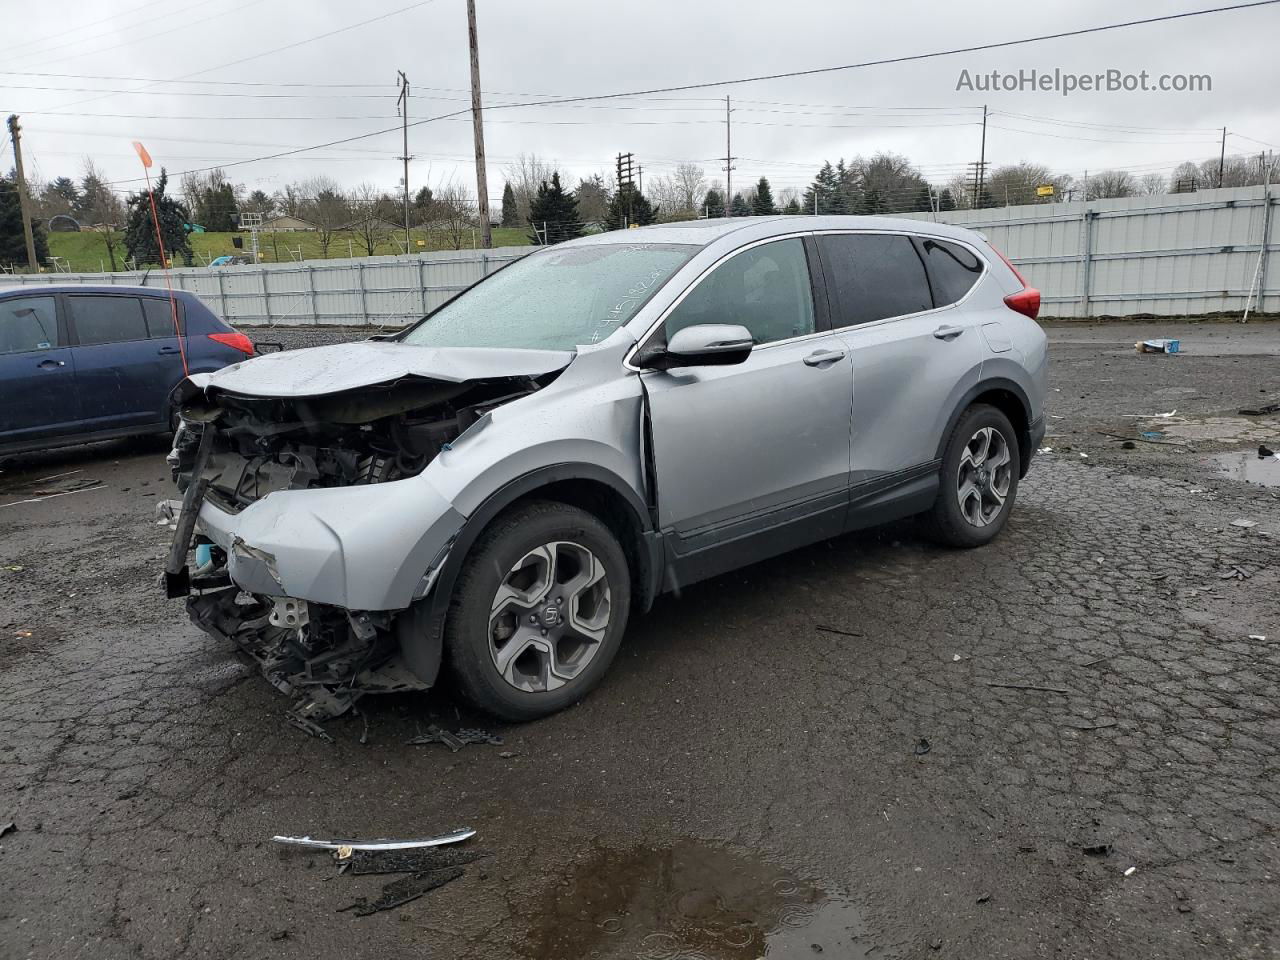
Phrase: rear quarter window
(953, 269)
(159, 316)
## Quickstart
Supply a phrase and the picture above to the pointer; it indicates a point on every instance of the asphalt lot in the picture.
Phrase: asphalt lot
(745, 783)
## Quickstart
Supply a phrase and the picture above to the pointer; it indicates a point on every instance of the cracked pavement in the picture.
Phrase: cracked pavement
(742, 779)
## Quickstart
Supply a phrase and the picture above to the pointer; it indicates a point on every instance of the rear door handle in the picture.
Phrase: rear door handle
(948, 333)
(820, 357)
(168, 350)
(51, 364)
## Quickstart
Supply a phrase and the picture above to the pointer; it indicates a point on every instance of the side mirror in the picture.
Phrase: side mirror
(703, 345)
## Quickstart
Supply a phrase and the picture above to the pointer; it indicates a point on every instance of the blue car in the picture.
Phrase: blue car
(81, 363)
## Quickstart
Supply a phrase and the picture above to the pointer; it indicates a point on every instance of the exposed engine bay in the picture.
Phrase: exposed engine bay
(373, 435)
(234, 450)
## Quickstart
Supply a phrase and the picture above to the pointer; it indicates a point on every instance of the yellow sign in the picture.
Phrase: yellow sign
(421, 243)
(1044, 190)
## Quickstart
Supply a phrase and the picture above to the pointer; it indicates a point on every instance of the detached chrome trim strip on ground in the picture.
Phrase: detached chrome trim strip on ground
(466, 833)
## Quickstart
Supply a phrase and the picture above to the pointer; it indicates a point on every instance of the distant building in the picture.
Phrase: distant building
(287, 223)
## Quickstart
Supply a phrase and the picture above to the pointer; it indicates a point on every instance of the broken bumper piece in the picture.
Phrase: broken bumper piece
(324, 657)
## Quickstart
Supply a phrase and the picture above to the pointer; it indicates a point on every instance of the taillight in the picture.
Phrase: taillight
(1027, 300)
(237, 341)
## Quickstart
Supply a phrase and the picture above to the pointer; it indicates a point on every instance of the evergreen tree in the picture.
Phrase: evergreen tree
(848, 192)
(872, 203)
(739, 206)
(946, 200)
(61, 196)
(792, 207)
(825, 190)
(923, 200)
(629, 206)
(13, 242)
(216, 209)
(763, 205)
(510, 212)
(259, 202)
(553, 214)
(713, 203)
(140, 232)
(423, 203)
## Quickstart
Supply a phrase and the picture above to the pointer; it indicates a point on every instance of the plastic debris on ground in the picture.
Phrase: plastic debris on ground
(1242, 522)
(404, 890)
(456, 741)
(1159, 345)
(420, 860)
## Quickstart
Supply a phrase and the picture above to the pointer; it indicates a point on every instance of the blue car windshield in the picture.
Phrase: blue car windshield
(556, 299)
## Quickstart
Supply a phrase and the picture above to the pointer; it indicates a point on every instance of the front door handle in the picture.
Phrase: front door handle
(165, 351)
(51, 364)
(820, 357)
(948, 333)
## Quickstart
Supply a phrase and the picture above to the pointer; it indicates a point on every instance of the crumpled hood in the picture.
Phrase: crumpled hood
(346, 366)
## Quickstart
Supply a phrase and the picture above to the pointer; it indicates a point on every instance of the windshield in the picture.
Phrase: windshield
(555, 300)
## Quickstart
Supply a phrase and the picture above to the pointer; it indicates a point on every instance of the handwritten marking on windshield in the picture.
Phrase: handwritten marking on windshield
(641, 287)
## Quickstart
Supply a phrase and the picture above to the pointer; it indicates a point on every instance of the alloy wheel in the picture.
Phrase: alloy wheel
(984, 476)
(549, 616)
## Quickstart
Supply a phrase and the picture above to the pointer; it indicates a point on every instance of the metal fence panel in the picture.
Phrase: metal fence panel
(1168, 255)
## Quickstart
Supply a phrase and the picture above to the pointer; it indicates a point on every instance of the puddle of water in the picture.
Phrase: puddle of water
(689, 901)
(1246, 465)
(1221, 429)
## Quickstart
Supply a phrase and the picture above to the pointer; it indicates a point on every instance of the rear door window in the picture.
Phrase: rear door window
(953, 269)
(875, 276)
(159, 317)
(107, 319)
(28, 323)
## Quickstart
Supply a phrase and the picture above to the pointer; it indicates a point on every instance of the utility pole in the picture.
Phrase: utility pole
(728, 159)
(402, 107)
(640, 179)
(1222, 157)
(15, 133)
(982, 159)
(477, 122)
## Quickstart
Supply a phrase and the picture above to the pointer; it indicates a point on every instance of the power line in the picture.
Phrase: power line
(82, 26)
(281, 49)
(797, 73)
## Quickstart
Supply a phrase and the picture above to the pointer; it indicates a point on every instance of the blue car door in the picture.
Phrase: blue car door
(123, 376)
(38, 396)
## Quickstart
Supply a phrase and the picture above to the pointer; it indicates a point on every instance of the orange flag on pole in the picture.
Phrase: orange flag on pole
(142, 154)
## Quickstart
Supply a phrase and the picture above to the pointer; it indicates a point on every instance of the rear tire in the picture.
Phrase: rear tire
(538, 611)
(978, 481)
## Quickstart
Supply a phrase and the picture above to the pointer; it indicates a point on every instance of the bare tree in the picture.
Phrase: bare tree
(1112, 183)
(592, 195)
(1152, 184)
(1016, 184)
(367, 222)
(102, 209)
(326, 206)
(454, 210)
(1186, 178)
(525, 174)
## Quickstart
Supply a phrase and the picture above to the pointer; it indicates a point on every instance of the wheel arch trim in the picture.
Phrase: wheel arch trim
(422, 643)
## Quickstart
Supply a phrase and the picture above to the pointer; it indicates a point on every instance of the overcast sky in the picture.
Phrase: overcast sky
(781, 128)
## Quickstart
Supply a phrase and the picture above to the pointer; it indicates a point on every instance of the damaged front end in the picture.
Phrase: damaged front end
(312, 528)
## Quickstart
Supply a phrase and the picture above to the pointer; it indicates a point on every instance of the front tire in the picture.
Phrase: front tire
(538, 611)
(979, 480)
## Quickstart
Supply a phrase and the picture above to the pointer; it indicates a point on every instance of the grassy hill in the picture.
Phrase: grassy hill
(86, 252)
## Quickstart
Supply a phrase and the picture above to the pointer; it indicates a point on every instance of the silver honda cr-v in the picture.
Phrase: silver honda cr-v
(501, 485)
